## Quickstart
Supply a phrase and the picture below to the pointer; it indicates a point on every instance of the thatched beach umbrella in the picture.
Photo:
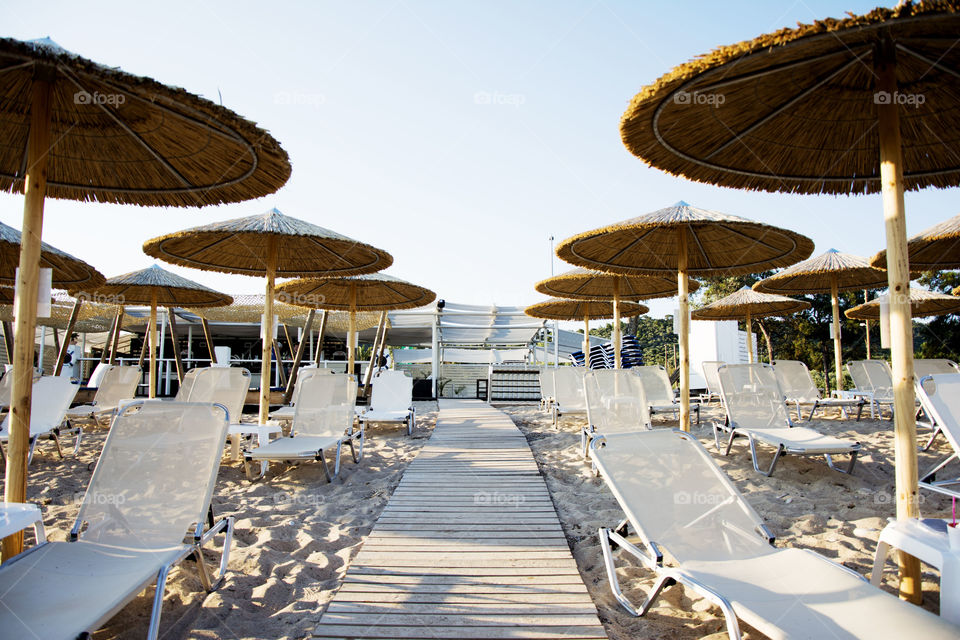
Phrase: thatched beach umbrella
(685, 241)
(154, 286)
(831, 272)
(747, 304)
(865, 104)
(584, 310)
(586, 284)
(77, 130)
(935, 249)
(66, 271)
(375, 292)
(271, 245)
(923, 303)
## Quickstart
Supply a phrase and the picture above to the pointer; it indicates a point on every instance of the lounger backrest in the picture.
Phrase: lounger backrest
(326, 406)
(922, 367)
(940, 396)
(223, 385)
(303, 374)
(872, 375)
(392, 391)
(546, 382)
(710, 374)
(6, 386)
(656, 384)
(155, 475)
(118, 383)
(795, 380)
(751, 396)
(675, 495)
(186, 385)
(568, 388)
(615, 401)
(51, 397)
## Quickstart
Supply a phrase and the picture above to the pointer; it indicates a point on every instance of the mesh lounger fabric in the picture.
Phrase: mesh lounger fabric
(117, 384)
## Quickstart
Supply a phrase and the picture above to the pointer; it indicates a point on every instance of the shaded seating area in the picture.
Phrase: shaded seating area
(799, 390)
(695, 529)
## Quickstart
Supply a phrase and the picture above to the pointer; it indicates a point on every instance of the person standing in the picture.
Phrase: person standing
(74, 358)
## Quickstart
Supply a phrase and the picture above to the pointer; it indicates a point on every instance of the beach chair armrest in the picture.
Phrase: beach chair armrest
(764, 531)
(730, 616)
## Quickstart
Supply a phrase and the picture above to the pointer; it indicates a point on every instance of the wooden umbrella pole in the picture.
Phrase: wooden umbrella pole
(143, 349)
(267, 331)
(56, 340)
(586, 340)
(866, 323)
(153, 344)
(35, 190)
(172, 323)
(351, 333)
(298, 358)
(617, 338)
(381, 326)
(286, 335)
(901, 325)
(209, 340)
(281, 373)
(320, 333)
(683, 293)
(116, 335)
(66, 338)
(749, 339)
(105, 352)
(837, 353)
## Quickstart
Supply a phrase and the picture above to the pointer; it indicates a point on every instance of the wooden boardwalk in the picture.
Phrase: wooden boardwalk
(469, 546)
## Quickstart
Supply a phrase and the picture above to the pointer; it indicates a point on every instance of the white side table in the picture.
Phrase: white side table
(926, 540)
(16, 516)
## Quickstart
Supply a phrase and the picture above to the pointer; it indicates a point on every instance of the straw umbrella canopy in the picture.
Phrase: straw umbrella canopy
(831, 272)
(374, 292)
(154, 286)
(685, 241)
(923, 303)
(556, 309)
(78, 130)
(935, 249)
(747, 304)
(585, 284)
(272, 245)
(66, 270)
(865, 104)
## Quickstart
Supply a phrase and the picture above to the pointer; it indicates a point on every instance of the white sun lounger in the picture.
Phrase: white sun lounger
(51, 397)
(940, 396)
(152, 483)
(568, 393)
(797, 385)
(118, 384)
(713, 384)
(391, 400)
(923, 367)
(615, 404)
(286, 412)
(323, 421)
(754, 406)
(681, 506)
(659, 391)
(546, 388)
(873, 382)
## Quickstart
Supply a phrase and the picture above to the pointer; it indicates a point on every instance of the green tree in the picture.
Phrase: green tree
(940, 337)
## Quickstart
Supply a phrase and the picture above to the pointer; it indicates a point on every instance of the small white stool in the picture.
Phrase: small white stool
(16, 516)
(926, 540)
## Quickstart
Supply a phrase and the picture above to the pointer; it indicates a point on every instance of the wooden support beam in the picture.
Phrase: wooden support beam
(209, 340)
(172, 321)
(320, 333)
(381, 327)
(298, 358)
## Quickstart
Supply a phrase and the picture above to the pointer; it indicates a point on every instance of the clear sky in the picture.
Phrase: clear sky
(459, 136)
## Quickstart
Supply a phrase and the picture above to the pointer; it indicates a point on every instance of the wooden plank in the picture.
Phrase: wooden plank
(501, 582)
(473, 609)
(368, 630)
(476, 620)
(463, 595)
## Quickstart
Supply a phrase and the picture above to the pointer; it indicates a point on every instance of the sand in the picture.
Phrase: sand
(805, 504)
(296, 534)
